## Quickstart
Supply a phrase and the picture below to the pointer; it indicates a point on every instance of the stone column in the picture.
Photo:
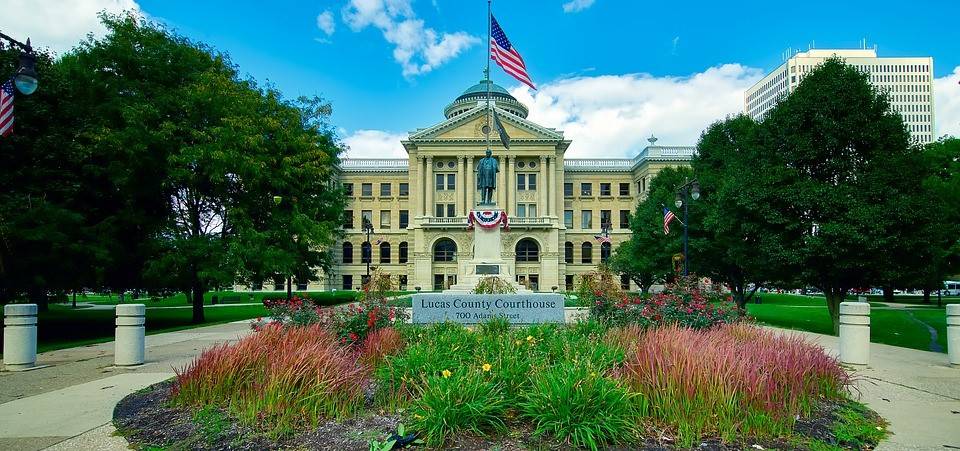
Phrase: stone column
(461, 187)
(558, 202)
(428, 188)
(542, 187)
(128, 349)
(19, 336)
(511, 186)
(416, 198)
(470, 184)
(953, 333)
(855, 333)
(501, 186)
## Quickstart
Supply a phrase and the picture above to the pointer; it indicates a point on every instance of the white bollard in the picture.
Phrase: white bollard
(19, 336)
(953, 333)
(128, 348)
(855, 333)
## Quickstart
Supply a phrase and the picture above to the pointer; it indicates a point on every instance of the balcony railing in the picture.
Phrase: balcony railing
(461, 221)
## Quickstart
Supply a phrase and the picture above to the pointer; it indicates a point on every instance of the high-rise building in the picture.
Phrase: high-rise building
(908, 81)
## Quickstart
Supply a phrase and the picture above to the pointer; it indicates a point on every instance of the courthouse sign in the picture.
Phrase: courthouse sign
(477, 308)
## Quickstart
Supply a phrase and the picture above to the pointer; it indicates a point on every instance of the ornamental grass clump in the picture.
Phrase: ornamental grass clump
(277, 379)
(731, 381)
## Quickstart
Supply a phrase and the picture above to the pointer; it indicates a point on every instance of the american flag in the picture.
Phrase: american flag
(667, 217)
(6, 108)
(602, 238)
(506, 55)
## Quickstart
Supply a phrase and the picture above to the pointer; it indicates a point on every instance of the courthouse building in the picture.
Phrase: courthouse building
(560, 209)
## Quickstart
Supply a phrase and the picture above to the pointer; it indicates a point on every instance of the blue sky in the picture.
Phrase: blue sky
(665, 68)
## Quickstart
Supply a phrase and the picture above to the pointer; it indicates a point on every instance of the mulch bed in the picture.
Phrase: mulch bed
(146, 420)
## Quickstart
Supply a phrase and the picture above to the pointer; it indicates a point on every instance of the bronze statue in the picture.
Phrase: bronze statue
(487, 170)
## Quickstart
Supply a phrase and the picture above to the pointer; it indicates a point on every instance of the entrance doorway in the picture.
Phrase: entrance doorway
(443, 281)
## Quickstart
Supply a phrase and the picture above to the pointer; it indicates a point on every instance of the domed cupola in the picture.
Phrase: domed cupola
(478, 93)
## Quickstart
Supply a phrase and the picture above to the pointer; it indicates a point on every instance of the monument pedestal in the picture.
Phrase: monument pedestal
(487, 260)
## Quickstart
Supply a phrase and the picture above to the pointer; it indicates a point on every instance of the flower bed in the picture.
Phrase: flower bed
(682, 303)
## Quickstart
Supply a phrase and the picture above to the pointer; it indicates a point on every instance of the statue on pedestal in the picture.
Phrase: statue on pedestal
(487, 170)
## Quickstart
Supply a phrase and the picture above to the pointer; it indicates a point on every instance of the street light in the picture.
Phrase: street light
(691, 188)
(368, 229)
(25, 79)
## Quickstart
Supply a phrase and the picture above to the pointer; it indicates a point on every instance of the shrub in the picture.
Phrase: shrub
(582, 407)
(683, 303)
(296, 311)
(598, 284)
(732, 380)
(493, 285)
(457, 400)
(277, 378)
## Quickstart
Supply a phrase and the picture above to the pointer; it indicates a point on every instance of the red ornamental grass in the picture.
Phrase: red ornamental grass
(380, 344)
(732, 378)
(283, 377)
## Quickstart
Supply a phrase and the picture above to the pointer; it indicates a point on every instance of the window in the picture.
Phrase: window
(521, 182)
(348, 219)
(385, 189)
(402, 253)
(348, 252)
(404, 219)
(365, 252)
(568, 252)
(532, 182)
(446, 182)
(439, 179)
(348, 189)
(528, 250)
(445, 250)
(384, 252)
(567, 189)
(568, 219)
(451, 210)
(526, 210)
(366, 217)
(440, 210)
(366, 190)
(586, 251)
(347, 282)
(402, 280)
(624, 219)
(451, 182)
(384, 219)
(624, 189)
(404, 189)
(568, 281)
(586, 219)
(605, 219)
(278, 285)
(586, 189)
(605, 189)
(605, 252)
(301, 286)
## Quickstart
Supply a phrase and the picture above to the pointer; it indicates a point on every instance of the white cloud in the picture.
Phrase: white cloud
(574, 6)
(417, 48)
(612, 115)
(375, 144)
(325, 23)
(946, 103)
(58, 25)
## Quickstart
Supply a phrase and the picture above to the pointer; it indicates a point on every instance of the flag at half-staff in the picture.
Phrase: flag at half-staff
(504, 137)
(506, 55)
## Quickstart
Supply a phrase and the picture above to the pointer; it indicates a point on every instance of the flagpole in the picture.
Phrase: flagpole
(487, 71)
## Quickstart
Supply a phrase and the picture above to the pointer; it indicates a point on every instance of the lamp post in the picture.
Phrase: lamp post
(691, 188)
(605, 232)
(25, 79)
(368, 229)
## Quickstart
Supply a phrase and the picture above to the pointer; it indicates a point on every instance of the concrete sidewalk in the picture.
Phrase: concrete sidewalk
(69, 405)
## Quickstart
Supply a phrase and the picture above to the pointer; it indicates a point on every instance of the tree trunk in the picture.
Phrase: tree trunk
(834, 298)
(926, 295)
(289, 288)
(888, 294)
(74, 298)
(197, 294)
(39, 296)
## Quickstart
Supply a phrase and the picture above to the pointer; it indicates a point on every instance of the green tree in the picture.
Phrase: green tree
(840, 183)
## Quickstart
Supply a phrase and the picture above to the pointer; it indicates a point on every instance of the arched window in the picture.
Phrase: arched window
(568, 252)
(348, 252)
(586, 249)
(384, 252)
(528, 250)
(605, 252)
(402, 252)
(365, 252)
(445, 250)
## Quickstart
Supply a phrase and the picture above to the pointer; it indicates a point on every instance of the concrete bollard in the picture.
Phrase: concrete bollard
(19, 336)
(129, 344)
(855, 333)
(953, 333)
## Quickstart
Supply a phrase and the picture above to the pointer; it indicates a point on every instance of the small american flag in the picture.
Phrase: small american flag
(602, 238)
(6, 108)
(506, 55)
(667, 217)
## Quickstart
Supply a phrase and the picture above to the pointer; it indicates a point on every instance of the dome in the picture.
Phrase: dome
(478, 92)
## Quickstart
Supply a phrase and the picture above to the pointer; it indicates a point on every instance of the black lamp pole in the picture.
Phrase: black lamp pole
(368, 228)
(25, 79)
(691, 187)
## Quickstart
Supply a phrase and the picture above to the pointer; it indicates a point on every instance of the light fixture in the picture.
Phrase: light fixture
(26, 77)
(695, 191)
(277, 200)
(679, 201)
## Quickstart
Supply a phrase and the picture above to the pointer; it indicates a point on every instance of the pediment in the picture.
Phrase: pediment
(468, 126)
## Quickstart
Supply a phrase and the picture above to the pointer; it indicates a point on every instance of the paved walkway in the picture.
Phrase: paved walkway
(69, 405)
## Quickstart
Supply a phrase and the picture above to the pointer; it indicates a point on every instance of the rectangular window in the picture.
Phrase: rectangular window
(404, 189)
(568, 219)
(384, 219)
(605, 189)
(385, 189)
(347, 282)
(439, 181)
(532, 182)
(605, 219)
(348, 219)
(624, 189)
(521, 182)
(586, 219)
(624, 219)
(451, 210)
(366, 217)
(568, 281)
(567, 189)
(440, 210)
(526, 210)
(404, 219)
(366, 189)
(348, 189)
(402, 279)
(586, 189)
(301, 286)
(451, 182)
